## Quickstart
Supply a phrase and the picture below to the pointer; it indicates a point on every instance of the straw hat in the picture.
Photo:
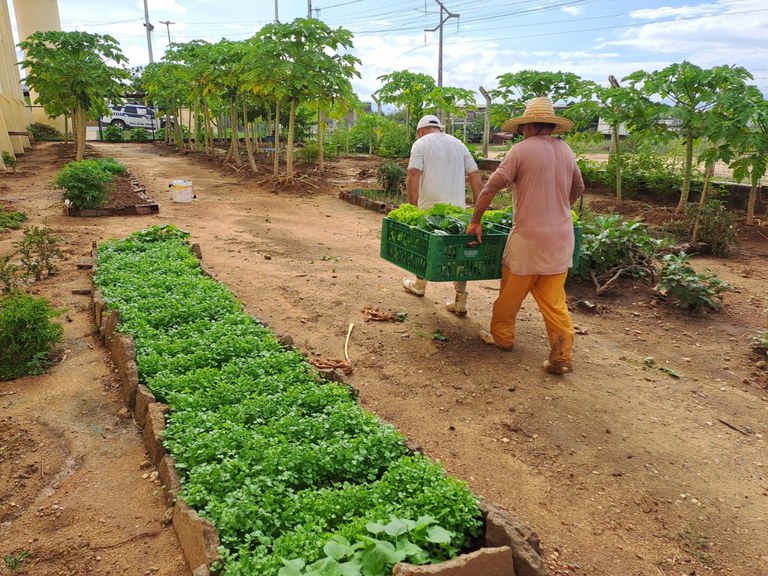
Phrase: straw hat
(538, 110)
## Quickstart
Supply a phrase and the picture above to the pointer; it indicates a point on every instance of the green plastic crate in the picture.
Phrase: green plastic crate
(440, 257)
(577, 233)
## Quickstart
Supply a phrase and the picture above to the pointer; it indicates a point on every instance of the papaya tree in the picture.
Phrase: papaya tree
(747, 119)
(616, 105)
(455, 102)
(72, 75)
(517, 88)
(412, 92)
(692, 94)
(304, 55)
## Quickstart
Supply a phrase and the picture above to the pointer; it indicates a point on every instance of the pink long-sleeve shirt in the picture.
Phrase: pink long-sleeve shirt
(547, 181)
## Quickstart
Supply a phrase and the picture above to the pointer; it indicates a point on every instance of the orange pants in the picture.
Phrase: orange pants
(549, 293)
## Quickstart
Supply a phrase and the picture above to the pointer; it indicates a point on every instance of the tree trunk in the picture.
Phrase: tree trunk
(66, 129)
(708, 173)
(276, 154)
(320, 133)
(177, 133)
(247, 136)
(614, 151)
(79, 129)
(234, 140)
(289, 143)
(752, 200)
(687, 168)
(208, 130)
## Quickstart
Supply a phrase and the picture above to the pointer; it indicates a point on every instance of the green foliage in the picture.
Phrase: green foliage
(717, 226)
(40, 131)
(10, 275)
(10, 220)
(280, 460)
(398, 541)
(86, 182)
(391, 176)
(611, 245)
(691, 289)
(644, 172)
(113, 133)
(139, 135)
(394, 141)
(26, 334)
(448, 219)
(38, 251)
(13, 562)
(309, 153)
(10, 160)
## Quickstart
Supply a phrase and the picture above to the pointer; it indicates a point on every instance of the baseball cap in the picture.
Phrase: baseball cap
(429, 120)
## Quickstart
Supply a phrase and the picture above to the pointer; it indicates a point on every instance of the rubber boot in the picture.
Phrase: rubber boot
(459, 304)
(415, 286)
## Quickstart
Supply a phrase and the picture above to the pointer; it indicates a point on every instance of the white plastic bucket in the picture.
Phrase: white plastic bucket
(181, 190)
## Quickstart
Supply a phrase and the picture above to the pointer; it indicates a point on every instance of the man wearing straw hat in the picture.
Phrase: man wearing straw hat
(540, 246)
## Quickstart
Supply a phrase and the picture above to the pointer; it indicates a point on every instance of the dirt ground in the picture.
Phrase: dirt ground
(620, 468)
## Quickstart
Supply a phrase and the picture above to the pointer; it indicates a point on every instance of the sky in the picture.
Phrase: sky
(482, 39)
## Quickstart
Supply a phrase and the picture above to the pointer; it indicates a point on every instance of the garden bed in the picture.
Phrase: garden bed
(127, 197)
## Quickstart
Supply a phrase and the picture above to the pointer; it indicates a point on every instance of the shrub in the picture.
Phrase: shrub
(9, 160)
(114, 134)
(84, 183)
(309, 153)
(394, 141)
(11, 220)
(111, 165)
(139, 135)
(10, 274)
(691, 289)
(391, 176)
(40, 131)
(38, 251)
(612, 248)
(716, 226)
(27, 334)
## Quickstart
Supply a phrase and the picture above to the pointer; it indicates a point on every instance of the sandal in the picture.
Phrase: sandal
(487, 337)
(558, 366)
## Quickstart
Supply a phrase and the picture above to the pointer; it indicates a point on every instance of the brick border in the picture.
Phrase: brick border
(510, 548)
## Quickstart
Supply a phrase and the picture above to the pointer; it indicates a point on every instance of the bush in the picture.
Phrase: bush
(139, 135)
(716, 226)
(691, 289)
(391, 176)
(40, 131)
(309, 153)
(9, 160)
(11, 220)
(114, 134)
(85, 183)
(27, 334)
(10, 274)
(38, 251)
(394, 141)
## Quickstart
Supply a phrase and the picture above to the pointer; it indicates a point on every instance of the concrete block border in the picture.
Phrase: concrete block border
(509, 548)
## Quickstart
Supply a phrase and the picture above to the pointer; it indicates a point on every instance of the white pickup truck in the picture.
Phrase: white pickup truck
(134, 116)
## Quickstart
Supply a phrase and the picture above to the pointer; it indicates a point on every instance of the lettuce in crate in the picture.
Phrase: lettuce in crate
(447, 219)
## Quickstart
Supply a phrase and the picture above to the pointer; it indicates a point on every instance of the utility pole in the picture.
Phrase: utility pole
(443, 20)
(149, 28)
(277, 20)
(309, 9)
(168, 28)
